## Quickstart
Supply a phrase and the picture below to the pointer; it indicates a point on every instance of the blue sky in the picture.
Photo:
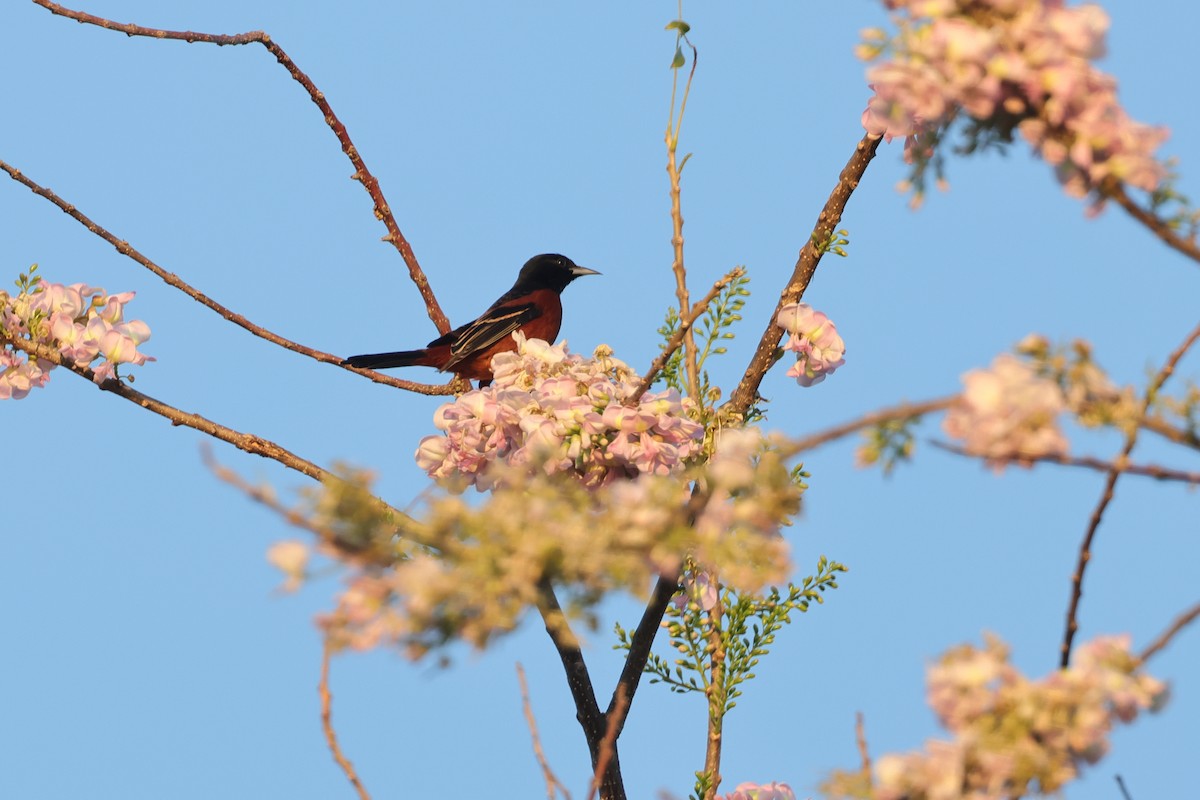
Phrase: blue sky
(148, 655)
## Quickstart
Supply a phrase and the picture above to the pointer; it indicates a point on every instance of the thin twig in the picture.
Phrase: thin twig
(806, 266)
(552, 781)
(1121, 785)
(1120, 464)
(691, 368)
(1086, 462)
(860, 738)
(608, 745)
(902, 411)
(685, 325)
(383, 211)
(1116, 191)
(247, 442)
(1164, 638)
(327, 726)
(171, 279)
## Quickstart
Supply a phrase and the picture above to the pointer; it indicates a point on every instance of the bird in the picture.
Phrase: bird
(531, 306)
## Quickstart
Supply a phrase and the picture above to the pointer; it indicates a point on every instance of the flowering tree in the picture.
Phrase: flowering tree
(574, 478)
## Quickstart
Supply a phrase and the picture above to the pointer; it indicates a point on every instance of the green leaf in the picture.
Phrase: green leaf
(678, 25)
(678, 61)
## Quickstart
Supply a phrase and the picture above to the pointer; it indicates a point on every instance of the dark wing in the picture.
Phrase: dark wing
(484, 332)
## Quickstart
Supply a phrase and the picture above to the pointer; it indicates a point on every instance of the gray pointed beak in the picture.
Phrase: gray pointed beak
(578, 271)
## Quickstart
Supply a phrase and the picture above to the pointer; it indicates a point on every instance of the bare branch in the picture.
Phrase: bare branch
(553, 784)
(1086, 462)
(248, 442)
(902, 411)
(639, 648)
(1120, 464)
(1164, 638)
(171, 279)
(327, 726)
(1114, 190)
(806, 266)
(383, 211)
(685, 325)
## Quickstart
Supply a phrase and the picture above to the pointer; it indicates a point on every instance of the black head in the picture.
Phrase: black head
(550, 271)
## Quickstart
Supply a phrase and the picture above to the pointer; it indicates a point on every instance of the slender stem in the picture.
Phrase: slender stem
(806, 266)
(383, 211)
(677, 267)
(674, 123)
(1119, 465)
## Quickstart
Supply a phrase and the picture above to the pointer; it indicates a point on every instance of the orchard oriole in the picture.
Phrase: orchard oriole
(531, 306)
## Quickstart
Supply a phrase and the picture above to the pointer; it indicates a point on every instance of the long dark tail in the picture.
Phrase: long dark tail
(401, 358)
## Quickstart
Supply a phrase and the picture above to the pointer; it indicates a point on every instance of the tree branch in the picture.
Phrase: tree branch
(1120, 463)
(806, 266)
(1164, 638)
(1086, 462)
(1114, 190)
(247, 442)
(171, 279)
(902, 411)
(383, 211)
(587, 710)
(639, 650)
(608, 745)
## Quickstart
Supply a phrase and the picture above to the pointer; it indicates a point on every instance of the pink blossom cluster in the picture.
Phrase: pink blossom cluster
(81, 322)
(765, 791)
(479, 566)
(1023, 64)
(565, 413)
(1013, 735)
(1008, 413)
(815, 341)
